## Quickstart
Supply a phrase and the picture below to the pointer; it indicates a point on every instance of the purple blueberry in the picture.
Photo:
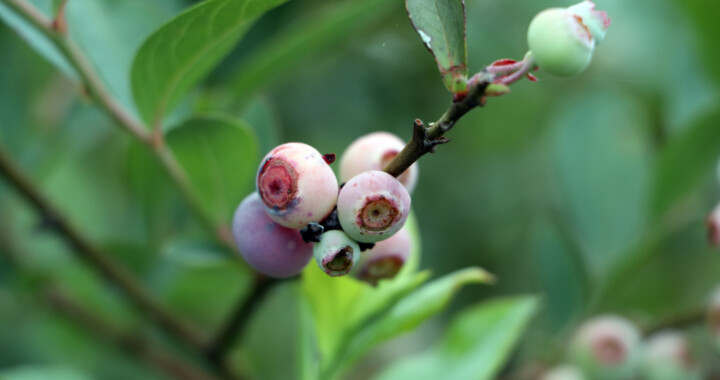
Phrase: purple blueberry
(268, 247)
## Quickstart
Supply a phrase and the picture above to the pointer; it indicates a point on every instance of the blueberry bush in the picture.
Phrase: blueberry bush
(241, 189)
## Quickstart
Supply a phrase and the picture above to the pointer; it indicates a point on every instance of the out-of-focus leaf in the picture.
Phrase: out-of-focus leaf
(410, 311)
(441, 26)
(560, 269)
(305, 40)
(42, 373)
(684, 162)
(100, 30)
(603, 161)
(260, 114)
(219, 156)
(703, 13)
(477, 343)
(200, 280)
(186, 49)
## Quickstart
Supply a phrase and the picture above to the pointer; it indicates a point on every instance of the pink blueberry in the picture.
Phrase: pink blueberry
(268, 247)
(296, 185)
(385, 259)
(373, 152)
(373, 206)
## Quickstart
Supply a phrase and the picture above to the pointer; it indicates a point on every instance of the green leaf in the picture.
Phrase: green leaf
(476, 345)
(186, 49)
(410, 312)
(304, 41)
(703, 16)
(220, 157)
(603, 161)
(42, 373)
(684, 162)
(441, 26)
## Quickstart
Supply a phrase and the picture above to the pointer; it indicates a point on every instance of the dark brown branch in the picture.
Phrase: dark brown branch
(239, 317)
(131, 343)
(678, 322)
(98, 259)
(426, 139)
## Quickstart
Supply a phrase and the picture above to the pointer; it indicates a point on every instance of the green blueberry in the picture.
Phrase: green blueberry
(560, 43)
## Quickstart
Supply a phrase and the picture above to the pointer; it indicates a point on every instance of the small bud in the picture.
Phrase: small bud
(667, 356)
(607, 347)
(497, 89)
(563, 372)
(336, 253)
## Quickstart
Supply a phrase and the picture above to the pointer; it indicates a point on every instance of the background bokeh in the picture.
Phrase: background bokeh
(591, 192)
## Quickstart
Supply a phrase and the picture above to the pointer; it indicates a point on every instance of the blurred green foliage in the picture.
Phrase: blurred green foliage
(590, 192)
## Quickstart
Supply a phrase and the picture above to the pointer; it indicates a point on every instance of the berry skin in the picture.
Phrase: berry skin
(607, 347)
(296, 185)
(372, 206)
(373, 152)
(336, 253)
(268, 247)
(563, 372)
(385, 260)
(667, 356)
(560, 43)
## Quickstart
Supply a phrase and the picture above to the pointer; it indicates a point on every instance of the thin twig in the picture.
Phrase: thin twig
(678, 322)
(98, 259)
(426, 139)
(131, 343)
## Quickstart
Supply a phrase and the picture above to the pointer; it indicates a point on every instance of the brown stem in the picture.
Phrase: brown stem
(98, 259)
(679, 322)
(130, 342)
(426, 139)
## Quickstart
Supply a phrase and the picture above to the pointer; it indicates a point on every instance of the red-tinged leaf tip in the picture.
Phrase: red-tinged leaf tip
(532, 78)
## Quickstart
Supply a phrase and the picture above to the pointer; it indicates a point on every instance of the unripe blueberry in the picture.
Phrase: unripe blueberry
(607, 347)
(667, 356)
(373, 152)
(560, 43)
(296, 185)
(268, 247)
(597, 22)
(563, 372)
(385, 259)
(372, 206)
(336, 253)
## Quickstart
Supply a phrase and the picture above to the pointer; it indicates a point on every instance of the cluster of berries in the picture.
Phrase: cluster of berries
(299, 211)
(611, 348)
